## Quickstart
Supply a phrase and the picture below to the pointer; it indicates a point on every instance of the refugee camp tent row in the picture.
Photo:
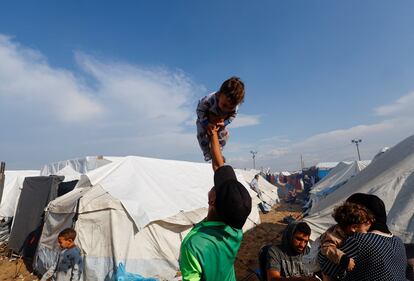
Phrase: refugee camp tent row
(391, 178)
(26, 203)
(134, 211)
(268, 191)
(337, 177)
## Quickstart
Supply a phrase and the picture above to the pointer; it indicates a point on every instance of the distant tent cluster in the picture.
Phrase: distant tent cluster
(137, 210)
(390, 176)
(133, 210)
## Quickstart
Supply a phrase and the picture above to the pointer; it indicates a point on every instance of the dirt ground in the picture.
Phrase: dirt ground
(12, 268)
(269, 231)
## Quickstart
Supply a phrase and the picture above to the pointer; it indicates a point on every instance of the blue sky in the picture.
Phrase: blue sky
(82, 78)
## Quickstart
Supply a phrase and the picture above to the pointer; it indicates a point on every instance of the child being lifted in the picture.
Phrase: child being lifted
(218, 109)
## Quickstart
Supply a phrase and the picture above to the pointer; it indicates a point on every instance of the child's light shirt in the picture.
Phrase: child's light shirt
(209, 104)
(68, 266)
(331, 240)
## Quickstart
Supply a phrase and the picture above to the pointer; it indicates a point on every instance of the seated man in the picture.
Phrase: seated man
(284, 261)
(209, 250)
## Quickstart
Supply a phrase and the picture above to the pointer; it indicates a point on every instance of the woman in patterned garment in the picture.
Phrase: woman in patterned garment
(378, 254)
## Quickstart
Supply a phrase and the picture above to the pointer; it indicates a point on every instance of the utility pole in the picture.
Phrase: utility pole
(357, 141)
(254, 157)
(2, 176)
(302, 164)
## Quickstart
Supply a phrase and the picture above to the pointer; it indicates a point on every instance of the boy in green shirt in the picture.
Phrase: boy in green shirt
(208, 252)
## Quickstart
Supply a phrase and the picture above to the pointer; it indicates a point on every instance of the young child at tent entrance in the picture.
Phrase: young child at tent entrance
(218, 109)
(69, 264)
(351, 218)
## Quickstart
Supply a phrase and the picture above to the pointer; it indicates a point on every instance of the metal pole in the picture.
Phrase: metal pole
(359, 156)
(2, 176)
(357, 141)
(254, 158)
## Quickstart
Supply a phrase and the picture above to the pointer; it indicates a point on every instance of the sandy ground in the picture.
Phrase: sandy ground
(12, 268)
(269, 231)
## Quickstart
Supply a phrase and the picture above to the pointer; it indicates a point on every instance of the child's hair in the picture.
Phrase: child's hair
(68, 233)
(350, 213)
(233, 89)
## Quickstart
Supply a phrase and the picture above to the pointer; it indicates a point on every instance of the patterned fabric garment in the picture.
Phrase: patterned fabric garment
(206, 106)
(68, 266)
(377, 258)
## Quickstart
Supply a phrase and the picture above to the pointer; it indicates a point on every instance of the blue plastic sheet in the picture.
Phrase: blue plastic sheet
(122, 275)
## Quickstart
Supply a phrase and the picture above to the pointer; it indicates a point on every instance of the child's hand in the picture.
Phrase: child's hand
(351, 264)
(211, 129)
(216, 120)
(220, 123)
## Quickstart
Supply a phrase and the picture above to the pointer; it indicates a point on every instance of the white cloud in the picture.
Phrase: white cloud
(244, 120)
(398, 123)
(402, 106)
(111, 108)
(27, 79)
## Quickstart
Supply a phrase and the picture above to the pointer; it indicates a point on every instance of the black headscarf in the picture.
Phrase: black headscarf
(377, 208)
(287, 238)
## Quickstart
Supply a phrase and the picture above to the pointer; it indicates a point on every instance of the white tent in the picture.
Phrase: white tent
(69, 173)
(390, 177)
(326, 165)
(137, 211)
(13, 185)
(79, 165)
(337, 177)
(268, 191)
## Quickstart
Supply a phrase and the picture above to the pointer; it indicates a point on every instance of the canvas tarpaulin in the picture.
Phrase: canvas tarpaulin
(391, 178)
(108, 233)
(37, 192)
(13, 185)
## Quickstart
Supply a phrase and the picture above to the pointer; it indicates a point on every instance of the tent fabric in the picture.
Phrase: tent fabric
(268, 191)
(34, 197)
(326, 165)
(13, 185)
(107, 230)
(69, 173)
(188, 184)
(391, 178)
(78, 165)
(337, 177)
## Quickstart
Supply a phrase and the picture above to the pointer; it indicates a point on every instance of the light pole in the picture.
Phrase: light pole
(254, 157)
(357, 141)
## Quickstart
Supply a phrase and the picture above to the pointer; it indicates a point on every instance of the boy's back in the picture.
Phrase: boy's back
(68, 266)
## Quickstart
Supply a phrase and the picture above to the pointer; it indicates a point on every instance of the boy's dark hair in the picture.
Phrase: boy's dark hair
(350, 213)
(233, 89)
(304, 228)
(68, 233)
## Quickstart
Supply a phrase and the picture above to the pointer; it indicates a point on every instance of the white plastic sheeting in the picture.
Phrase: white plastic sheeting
(334, 180)
(268, 191)
(391, 178)
(79, 165)
(164, 198)
(155, 189)
(12, 187)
